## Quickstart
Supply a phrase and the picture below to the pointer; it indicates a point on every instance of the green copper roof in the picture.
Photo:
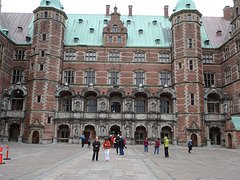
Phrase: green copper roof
(184, 5)
(236, 122)
(151, 32)
(52, 3)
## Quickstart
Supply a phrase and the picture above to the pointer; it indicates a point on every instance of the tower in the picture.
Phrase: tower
(187, 70)
(45, 70)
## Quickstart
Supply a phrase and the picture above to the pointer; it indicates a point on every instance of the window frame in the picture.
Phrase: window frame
(89, 79)
(114, 56)
(139, 78)
(90, 55)
(69, 76)
(70, 55)
(165, 78)
(139, 56)
(113, 77)
(18, 75)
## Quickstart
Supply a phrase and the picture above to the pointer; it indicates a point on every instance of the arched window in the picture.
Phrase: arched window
(115, 28)
(115, 107)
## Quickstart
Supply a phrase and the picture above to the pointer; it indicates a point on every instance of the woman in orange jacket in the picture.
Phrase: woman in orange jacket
(106, 146)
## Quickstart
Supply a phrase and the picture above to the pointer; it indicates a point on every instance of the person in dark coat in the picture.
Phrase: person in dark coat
(96, 146)
(117, 143)
(189, 145)
(121, 145)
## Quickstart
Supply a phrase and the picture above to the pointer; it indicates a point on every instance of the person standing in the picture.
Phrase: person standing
(117, 143)
(145, 143)
(83, 139)
(166, 143)
(96, 145)
(107, 146)
(121, 145)
(157, 144)
(189, 145)
(89, 141)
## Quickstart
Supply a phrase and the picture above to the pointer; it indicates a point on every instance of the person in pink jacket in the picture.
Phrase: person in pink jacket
(145, 142)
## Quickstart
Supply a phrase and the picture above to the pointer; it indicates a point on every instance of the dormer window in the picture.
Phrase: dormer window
(188, 5)
(115, 28)
(219, 32)
(155, 23)
(206, 42)
(80, 21)
(91, 30)
(128, 22)
(157, 41)
(140, 31)
(56, 17)
(20, 28)
(47, 3)
(76, 39)
(45, 14)
(28, 39)
(105, 21)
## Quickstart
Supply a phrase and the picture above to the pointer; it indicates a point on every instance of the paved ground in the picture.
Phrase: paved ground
(70, 161)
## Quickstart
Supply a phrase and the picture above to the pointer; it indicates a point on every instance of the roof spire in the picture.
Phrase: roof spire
(52, 3)
(184, 5)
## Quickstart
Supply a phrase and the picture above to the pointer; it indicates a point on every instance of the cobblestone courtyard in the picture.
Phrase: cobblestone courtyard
(70, 161)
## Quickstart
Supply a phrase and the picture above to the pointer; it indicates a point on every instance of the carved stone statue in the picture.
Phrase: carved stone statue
(103, 105)
(128, 106)
(76, 131)
(77, 106)
(4, 104)
(226, 108)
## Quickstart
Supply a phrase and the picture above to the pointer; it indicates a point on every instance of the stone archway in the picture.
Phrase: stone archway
(14, 132)
(140, 134)
(194, 139)
(115, 130)
(89, 131)
(35, 137)
(215, 136)
(63, 133)
(229, 141)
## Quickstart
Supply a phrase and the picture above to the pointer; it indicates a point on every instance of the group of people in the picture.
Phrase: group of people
(165, 140)
(119, 143)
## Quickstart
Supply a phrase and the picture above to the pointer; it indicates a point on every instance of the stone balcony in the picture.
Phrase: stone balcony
(215, 117)
(13, 114)
(114, 116)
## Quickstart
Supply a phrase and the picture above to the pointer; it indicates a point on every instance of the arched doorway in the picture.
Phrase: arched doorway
(229, 141)
(194, 140)
(63, 133)
(140, 134)
(166, 131)
(215, 136)
(14, 131)
(89, 131)
(115, 130)
(35, 137)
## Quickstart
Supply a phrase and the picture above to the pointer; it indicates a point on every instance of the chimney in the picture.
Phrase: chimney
(107, 10)
(166, 11)
(227, 13)
(130, 10)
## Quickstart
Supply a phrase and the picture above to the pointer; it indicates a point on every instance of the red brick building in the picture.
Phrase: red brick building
(64, 75)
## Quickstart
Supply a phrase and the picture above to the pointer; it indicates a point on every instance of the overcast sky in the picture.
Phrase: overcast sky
(140, 7)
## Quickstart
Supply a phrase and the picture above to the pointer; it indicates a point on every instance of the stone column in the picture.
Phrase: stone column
(107, 129)
(133, 132)
(6, 135)
(81, 133)
(97, 130)
(207, 136)
(21, 132)
(149, 130)
(223, 136)
(70, 140)
(122, 129)
(174, 135)
(55, 134)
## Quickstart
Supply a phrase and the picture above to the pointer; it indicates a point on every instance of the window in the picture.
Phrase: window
(140, 31)
(44, 37)
(164, 57)
(80, 21)
(190, 65)
(189, 17)
(154, 23)
(49, 120)
(157, 41)
(115, 28)
(139, 78)
(90, 55)
(105, 21)
(226, 53)
(42, 53)
(114, 56)
(1, 51)
(128, 22)
(164, 78)
(17, 76)
(178, 19)
(39, 98)
(41, 67)
(208, 79)
(89, 77)
(180, 65)
(213, 108)
(19, 55)
(208, 57)
(70, 55)
(115, 107)
(113, 78)
(139, 106)
(91, 30)
(236, 11)
(91, 105)
(17, 104)
(57, 17)
(66, 104)
(164, 106)
(192, 99)
(119, 39)
(228, 76)
(69, 76)
(47, 3)
(110, 39)
(238, 45)
(139, 56)
(45, 14)
(206, 42)
(188, 5)
(189, 43)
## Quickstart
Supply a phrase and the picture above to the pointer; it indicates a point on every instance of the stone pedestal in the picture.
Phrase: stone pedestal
(54, 140)
(209, 143)
(70, 140)
(174, 141)
(19, 139)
